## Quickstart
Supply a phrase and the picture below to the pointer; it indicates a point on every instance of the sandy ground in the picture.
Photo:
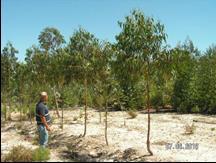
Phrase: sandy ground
(126, 142)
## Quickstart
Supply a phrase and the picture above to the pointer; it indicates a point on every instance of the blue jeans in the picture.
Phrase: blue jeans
(43, 135)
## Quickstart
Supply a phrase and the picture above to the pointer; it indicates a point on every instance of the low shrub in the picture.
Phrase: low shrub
(41, 154)
(18, 154)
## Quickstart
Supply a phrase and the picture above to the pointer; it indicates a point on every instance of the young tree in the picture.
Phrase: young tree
(51, 40)
(184, 63)
(142, 37)
(8, 70)
(81, 48)
(105, 85)
(206, 81)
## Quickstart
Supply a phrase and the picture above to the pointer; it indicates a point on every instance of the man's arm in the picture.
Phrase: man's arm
(43, 120)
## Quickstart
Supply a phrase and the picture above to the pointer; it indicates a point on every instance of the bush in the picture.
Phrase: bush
(183, 108)
(19, 154)
(195, 109)
(22, 154)
(157, 100)
(41, 154)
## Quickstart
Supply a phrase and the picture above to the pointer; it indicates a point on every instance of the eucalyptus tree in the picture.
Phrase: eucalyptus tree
(8, 70)
(35, 72)
(141, 38)
(184, 62)
(105, 84)
(20, 78)
(206, 81)
(127, 72)
(56, 73)
(82, 49)
(24, 89)
(51, 41)
(163, 79)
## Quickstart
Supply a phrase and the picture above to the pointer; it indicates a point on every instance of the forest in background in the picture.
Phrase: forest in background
(138, 71)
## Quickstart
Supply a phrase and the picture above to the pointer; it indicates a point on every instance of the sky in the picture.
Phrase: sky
(23, 20)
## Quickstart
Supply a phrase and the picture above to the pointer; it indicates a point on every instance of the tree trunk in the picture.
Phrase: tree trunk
(56, 102)
(124, 115)
(85, 127)
(20, 106)
(30, 116)
(5, 113)
(9, 109)
(100, 115)
(106, 124)
(62, 119)
(80, 113)
(148, 107)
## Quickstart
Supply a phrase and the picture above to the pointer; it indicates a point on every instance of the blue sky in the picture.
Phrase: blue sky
(23, 20)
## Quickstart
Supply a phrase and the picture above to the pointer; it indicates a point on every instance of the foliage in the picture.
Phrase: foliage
(41, 154)
(18, 154)
(117, 73)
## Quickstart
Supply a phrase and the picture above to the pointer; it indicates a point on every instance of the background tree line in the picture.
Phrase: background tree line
(139, 69)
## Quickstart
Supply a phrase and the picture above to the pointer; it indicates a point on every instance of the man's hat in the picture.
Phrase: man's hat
(43, 93)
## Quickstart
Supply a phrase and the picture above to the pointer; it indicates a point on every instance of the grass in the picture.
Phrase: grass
(18, 154)
(22, 154)
(132, 114)
(41, 154)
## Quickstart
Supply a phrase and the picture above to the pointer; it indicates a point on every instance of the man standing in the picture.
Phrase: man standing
(43, 119)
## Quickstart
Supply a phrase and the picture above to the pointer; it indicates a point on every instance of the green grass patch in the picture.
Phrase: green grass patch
(22, 154)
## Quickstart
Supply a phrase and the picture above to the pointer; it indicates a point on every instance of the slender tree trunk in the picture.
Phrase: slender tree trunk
(124, 114)
(20, 106)
(166, 87)
(80, 113)
(106, 113)
(100, 115)
(148, 107)
(30, 116)
(9, 109)
(62, 119)
(56, 102)
(8, 99)
(5, 108)
(85, 127)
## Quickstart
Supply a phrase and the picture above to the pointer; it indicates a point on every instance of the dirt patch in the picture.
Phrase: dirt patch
(127, 142)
